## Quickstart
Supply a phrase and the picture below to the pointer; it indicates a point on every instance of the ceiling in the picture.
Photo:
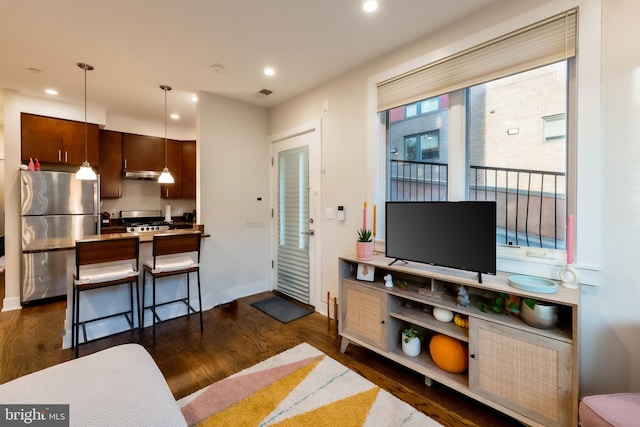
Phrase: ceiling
(135, 46)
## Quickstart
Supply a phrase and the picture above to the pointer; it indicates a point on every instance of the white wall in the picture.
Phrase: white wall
(233, 170)
(610, 321)
(12, 241)
(608, 205)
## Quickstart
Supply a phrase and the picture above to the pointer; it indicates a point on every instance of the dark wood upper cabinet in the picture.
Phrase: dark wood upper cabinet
(52, 140)
(73, 137)
(110, 164)
(181, 161)
(142, 153)
(174, 162)
(188, 171)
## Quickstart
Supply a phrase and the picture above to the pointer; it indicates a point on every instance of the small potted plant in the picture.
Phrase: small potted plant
(364, 244)
(411, 341)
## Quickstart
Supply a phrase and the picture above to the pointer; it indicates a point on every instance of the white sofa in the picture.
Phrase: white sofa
(120, 386)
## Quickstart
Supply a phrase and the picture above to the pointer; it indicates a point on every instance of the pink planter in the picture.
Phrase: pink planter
(364, 250)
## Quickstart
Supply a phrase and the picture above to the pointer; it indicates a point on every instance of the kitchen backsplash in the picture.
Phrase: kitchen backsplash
(145, 195)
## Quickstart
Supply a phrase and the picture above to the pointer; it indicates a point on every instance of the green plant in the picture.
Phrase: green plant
(501, 304)
(531, 303)
(410, 333)
(364, 235)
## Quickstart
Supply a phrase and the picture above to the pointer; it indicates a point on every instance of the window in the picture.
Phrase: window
(422, 107)
(422, 147)
(554, 128)
(521, 171)
(418, 153)
(501, 130)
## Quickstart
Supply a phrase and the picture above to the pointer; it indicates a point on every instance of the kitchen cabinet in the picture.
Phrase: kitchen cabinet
(174, 163)
(110, 145)
(53, 140)
(365, 313)
(520, 370)
(188, 170)
(142, 153)
(528, 373)
(181, 161)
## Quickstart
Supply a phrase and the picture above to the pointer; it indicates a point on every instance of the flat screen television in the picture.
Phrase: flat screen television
(458, 235)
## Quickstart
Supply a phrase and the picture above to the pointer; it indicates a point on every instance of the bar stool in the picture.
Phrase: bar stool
(165, 265)
(104, 263)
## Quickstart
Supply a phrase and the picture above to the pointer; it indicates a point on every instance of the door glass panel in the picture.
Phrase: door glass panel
(293, 221)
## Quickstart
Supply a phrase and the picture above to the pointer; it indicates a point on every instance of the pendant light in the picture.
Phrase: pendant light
(85, 172)
(165, 176)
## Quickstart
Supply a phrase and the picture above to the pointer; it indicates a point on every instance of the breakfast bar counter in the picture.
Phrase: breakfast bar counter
(69, 243)
(108, 300)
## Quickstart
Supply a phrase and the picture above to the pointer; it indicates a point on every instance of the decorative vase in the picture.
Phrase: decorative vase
(364, 250)
(543, 315)
(411, 348)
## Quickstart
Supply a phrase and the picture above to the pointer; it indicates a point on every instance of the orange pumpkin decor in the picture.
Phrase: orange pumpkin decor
(449, 354)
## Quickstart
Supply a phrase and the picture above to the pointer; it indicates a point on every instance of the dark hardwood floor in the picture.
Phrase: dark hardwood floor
(236, 336)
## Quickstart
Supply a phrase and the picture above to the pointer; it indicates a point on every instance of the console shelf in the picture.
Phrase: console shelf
(528, 373)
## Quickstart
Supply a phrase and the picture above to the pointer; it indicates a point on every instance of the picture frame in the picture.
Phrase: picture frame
(366, 272)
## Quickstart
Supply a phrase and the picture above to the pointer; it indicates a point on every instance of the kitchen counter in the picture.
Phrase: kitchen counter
(67, 243)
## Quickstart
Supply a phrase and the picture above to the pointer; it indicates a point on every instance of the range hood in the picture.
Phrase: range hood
(144, 175)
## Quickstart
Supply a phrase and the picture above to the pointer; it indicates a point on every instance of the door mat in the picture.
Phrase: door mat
(281, 309)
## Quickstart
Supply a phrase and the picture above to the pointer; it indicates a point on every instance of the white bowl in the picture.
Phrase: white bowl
(442, 314)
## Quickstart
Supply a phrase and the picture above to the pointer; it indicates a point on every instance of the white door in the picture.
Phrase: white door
(296, 225)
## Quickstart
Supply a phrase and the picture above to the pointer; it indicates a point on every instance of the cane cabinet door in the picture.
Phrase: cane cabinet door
(520, 370)
(364, 315)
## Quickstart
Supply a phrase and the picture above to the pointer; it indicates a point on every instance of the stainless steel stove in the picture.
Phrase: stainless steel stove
(139, 221)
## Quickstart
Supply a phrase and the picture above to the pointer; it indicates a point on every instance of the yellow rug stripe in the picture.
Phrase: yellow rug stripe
(252, 410)
(349, 412)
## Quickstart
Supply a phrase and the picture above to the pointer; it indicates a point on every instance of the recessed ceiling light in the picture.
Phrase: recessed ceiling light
(51, 91)
(370, 6)
(194, 98)
(269, 71)
(175, 116)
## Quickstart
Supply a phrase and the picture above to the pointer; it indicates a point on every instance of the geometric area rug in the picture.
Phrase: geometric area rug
(299, 387)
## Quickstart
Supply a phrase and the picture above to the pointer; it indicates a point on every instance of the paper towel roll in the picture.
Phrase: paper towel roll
(167, 213)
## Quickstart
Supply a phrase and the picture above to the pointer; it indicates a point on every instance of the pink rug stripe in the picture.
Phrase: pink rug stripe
(229, 391)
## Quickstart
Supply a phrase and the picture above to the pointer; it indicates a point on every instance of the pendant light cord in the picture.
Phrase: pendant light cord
(165, 88)
(165, 127)
(86, 154)
(85, 67)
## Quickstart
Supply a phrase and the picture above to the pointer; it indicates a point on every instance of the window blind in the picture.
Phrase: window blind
(545, 42)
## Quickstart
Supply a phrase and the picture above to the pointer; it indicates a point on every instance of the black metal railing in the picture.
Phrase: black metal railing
(418, 181)
(531, 204)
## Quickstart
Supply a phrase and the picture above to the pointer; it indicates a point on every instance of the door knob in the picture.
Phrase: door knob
(308, 232)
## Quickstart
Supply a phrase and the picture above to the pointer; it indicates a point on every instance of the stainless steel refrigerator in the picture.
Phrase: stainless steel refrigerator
(54, 204)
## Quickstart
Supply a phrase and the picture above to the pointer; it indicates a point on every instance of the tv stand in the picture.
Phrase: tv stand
(398, 259)
(527, 373)
(479, 277)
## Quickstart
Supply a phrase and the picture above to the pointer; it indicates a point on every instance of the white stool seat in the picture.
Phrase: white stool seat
(104, 274)
(170, 264)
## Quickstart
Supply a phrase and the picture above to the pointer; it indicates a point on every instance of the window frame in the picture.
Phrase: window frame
(586, 112)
